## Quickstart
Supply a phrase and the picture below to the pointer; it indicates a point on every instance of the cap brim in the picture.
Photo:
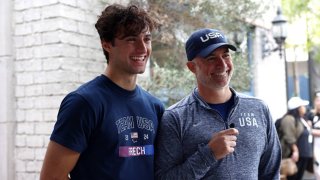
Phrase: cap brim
(205, 52)
(298, 104)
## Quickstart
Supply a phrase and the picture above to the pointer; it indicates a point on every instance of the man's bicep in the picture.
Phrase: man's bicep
(58, 162)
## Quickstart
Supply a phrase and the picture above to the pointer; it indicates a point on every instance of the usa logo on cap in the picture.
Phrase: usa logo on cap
(202, 42)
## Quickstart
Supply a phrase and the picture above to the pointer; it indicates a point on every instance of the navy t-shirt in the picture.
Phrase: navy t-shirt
(223, 108)
(114, 130)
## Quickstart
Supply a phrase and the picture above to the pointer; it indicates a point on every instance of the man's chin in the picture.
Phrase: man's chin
(141, 72)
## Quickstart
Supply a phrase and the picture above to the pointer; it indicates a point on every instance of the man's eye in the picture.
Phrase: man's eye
(226, 55)
(147, 38)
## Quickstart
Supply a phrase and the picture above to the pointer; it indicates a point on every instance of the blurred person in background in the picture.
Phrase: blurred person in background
(314, 116)
(296, 141)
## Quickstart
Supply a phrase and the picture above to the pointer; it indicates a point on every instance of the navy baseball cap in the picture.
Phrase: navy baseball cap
(203, 41)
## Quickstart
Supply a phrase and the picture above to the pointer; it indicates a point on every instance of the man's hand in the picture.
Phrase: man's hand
(223, 142)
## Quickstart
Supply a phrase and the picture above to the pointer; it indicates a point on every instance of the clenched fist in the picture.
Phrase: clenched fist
(223, 142)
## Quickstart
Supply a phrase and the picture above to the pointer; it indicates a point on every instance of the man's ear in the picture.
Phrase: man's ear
(191, 66)
(106, 45)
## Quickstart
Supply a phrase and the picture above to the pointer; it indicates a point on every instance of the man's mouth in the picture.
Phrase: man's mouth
(138, 58)
(220, 75)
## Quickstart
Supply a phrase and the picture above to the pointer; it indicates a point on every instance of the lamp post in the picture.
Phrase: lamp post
(279, 31)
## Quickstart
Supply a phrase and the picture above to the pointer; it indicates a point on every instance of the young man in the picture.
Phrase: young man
(216, 132)
(106, 128)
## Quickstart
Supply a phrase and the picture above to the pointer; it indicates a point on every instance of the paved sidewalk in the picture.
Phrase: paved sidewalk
(308, 176)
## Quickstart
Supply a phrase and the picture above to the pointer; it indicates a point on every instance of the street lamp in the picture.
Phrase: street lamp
(279, 31)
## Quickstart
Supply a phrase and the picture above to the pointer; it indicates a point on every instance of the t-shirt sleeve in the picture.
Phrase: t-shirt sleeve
(75, 123)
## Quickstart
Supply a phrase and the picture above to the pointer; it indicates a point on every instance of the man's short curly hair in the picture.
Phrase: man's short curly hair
(119, 21)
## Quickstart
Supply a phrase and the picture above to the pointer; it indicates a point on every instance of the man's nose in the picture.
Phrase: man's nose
(220, 62)
(141, 46)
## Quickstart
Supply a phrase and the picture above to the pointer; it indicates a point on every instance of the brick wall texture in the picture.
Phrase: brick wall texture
(56, 48)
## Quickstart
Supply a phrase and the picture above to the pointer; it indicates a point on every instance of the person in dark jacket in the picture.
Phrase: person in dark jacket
(314, 116)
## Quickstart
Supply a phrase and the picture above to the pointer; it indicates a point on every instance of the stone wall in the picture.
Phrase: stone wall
(56, 48)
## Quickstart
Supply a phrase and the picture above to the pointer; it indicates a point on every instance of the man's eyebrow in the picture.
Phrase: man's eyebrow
(136, 35)
(127, 36)
(213, 54)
